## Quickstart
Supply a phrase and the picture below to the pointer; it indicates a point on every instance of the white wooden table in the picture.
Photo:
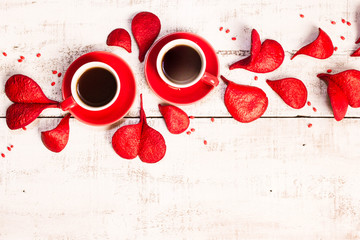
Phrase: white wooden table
(274, 178)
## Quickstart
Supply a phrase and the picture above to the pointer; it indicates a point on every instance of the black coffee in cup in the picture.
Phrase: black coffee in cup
(181, 64)
(96, 87)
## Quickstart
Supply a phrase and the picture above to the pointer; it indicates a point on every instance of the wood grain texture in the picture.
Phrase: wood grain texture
(274, 178)
(270, 179)
(63, 30)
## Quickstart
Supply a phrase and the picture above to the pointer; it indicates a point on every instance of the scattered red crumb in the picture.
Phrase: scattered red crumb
(8, 148)
(22, 57)
(342, 38)
(53, 83)
(205, 142)
(233, 38)
(314, 109)
(302, 15)
(38, 55)
(227, 31)
(192, 117)
(221, 28)
(343, 20)
(54, 71)
(59, 74)
(213, 119)
(3, 155)
(309, 125)
(333, 22)
(309, 103)
(348, 23)
(20, 60)
(329, 70)
(256, 78)
(335, 48)
(12, 146)
(193, 129)
(24, 128)
(4, 53)
(188, 132)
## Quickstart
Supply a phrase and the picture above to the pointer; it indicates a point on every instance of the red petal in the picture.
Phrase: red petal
(177, 121)
(121, 38)
(338, 101)
(56, 139)
(145, 27)
(19, 115)
(291, 90)
(321, 48)
(126, 141)
(22, 89)
(264, 58)
(356, 53)
(244, 103)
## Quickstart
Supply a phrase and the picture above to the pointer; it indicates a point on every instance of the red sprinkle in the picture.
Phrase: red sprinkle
(53, 83)
(38, 55)
(309, 103)
(302, 15)
(213, 119)
(54, 72)
(342, 38)
(348, 23)
(20, 60)
(192, 117)
(329, 70)
(221, 28)
(335, 48)
(3, 155)
(12, 146)
(205, 142)
(233, 38)
(59, 74)
(8, 148)
(333, 22)
(22, 57)
(4, 53)
(309, 125)
(256, 78)
(188, 132)
(227, 31)
(343, 20)
(24, 128)
(314, 109)
(193, 129)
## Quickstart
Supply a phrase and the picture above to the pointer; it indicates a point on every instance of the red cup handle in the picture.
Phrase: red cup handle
(210, 79)
(67, 103)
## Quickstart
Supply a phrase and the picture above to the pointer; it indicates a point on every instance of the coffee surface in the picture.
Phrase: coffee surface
(96, 87)
(181, 64)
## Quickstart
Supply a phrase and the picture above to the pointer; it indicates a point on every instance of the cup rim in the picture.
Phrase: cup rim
(171, 45)
(78, 73)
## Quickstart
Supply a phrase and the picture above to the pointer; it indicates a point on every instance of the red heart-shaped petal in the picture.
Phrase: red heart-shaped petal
(264, 58)
(139, 140)
(145, 27)
(20, 115)
(22, 89)
(321, 48)
(291, 90)
(121, 38)
(56, 139)
(177, 121)
(244, 103)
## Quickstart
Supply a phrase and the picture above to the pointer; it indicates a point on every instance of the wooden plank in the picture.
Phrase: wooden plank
(270, 179)
(62, 31)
